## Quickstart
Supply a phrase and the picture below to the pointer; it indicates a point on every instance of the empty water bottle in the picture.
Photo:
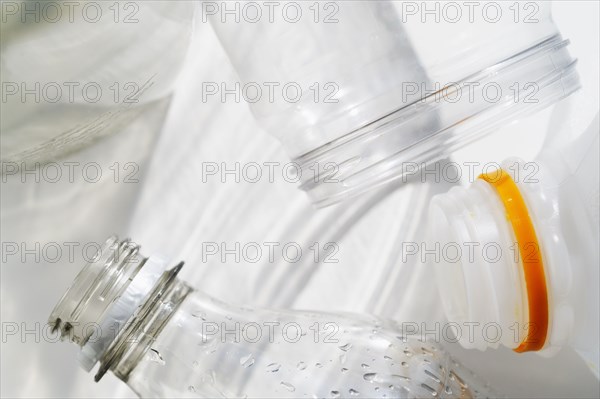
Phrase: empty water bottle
(163, 339)
(359, 91)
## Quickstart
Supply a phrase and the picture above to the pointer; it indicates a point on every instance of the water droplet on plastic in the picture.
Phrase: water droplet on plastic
(370, 376)
(426, 351)
(432, 376)
(273, 367)
(404, 364)
(247, 361)
(318, 365)
(346, 347)
(191, 388)
(400, 377)
(335, 394)
(156, 357)
(431, 390)
(228, 317)
(364, 366)
(353, 392)
(195, 363)
(386, 357)
(301, 366)
(288, 386)
(343, 358)
(344, 369)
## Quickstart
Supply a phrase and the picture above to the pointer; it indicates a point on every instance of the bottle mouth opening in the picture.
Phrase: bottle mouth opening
(431, 128)
(96, 311)
(95, 288)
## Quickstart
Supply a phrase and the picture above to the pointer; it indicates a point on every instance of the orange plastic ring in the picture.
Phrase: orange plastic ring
(530, 257)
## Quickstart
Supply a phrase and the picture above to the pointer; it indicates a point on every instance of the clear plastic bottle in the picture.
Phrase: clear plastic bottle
(357, 90)
(528, 238)
(165, 340)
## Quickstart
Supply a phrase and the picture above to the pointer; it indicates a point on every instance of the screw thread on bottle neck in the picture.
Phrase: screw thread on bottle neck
(136, 339)
(95, 288)
(484, 286)
(117, 306)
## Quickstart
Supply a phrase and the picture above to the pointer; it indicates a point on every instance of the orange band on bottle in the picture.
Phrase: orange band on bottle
(530, 257)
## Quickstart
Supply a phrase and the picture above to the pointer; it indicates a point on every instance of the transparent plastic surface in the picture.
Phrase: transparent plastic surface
(74, 72)
(359, 52)
(375, 86)
(211, 349)
(170, 341)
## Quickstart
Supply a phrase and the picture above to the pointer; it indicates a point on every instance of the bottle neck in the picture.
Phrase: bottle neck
(117, 306)
(516, 276)
(434, 123)
(484, 285)
(127, 350)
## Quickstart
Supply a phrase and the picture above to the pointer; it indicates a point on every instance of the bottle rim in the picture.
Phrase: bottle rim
(378, 152)
(119, 295)
(97, 285)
